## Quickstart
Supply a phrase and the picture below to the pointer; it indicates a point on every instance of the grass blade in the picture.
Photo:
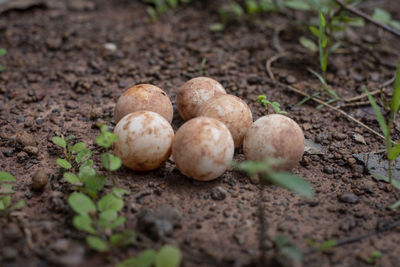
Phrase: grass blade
(394, 152)
(396, 92)
(380, 177)
(379, 116)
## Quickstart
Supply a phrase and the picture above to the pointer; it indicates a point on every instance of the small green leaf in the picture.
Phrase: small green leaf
(378, 114)
(395, 205)
(168, 256)
(322, 20)
(394, 152)
(59, 141)
(110, 162)
(5, 202)
(78, 147)
(84, 223)
(252, 6)
(3, 51)
(110, 202)
(19, 205)
(395, 24)
(94, 184)
(293, 253)
(236, 9)
(327, 245)
(106, 139)
(314, 30)
(307, 43)
(86, 172)
(120, 192)
(72, 178)
(382, 15)
(106, 218)
(144, 259)
(125, 238)
(63, 164)
(292, 182)
(81, 203)
(83, 156)
(394, 106)
(6, 177)
(119, 221)
(96, 243)
(87, 163)
(322, 80)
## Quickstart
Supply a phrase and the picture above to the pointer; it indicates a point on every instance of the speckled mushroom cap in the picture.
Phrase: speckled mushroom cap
(203, 148)
(275, 136)
(144, 97)
(144, 140)
(194, 93)
(232, 111)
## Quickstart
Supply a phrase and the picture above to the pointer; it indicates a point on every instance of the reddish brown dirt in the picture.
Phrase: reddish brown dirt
(60, 80)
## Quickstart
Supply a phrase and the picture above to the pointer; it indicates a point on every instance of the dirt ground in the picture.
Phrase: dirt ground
(62, 76)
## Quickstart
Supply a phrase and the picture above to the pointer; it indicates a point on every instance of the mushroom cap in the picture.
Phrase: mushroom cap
(203, 148)
(195, 93)
(144, 140)
(275, 136)
(144, 97)
(232, 111)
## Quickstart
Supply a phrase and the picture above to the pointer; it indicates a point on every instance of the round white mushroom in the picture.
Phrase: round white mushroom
(195, 93)
(203, 148)
(232, 111)
(144, 140)
(275, 136)
(144, 97)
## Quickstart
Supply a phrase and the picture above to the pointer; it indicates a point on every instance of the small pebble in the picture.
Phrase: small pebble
(39, 179)
(218, 193)
(348, 198)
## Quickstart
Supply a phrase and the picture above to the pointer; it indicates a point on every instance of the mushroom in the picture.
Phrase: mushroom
(232, 111)
(275, 136)
(195, 93)
(203, 148)
(144, 97)
(144, 140)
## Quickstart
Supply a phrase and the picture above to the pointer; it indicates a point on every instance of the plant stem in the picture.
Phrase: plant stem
(389, 143)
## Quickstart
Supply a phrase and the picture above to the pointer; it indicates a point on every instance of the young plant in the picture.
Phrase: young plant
(101, 219)
(3, 51)
(6, 191)
(262, 99)
(385, 17)
(374, 257)
(167, 256)
(322, 247)
(286, 180)
(285, 248)
(83, 175)
(392, 151)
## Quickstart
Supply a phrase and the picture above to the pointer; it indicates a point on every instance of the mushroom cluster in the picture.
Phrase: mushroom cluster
(203, 147)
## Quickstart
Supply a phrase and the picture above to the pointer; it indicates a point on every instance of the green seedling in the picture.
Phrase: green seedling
(6, 191)
(78, 162)
(202, 67)
(392, 151)
(286, 180)
(323, 247)
(286, 249)
(262, 99)
(167, 256)
(101, 219)
(374, 257)
(3, 51)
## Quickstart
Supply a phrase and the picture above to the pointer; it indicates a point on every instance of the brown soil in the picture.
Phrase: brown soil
(60, 80)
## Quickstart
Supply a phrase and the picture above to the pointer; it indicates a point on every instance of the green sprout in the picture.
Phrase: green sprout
(101, 219)
(156, 7)
(392, 151)
(262, 99)
(3, 51)
(322, 247)
(374, 257)
(167, 256)
(266, 171)
(78, 161)
(6, 190)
